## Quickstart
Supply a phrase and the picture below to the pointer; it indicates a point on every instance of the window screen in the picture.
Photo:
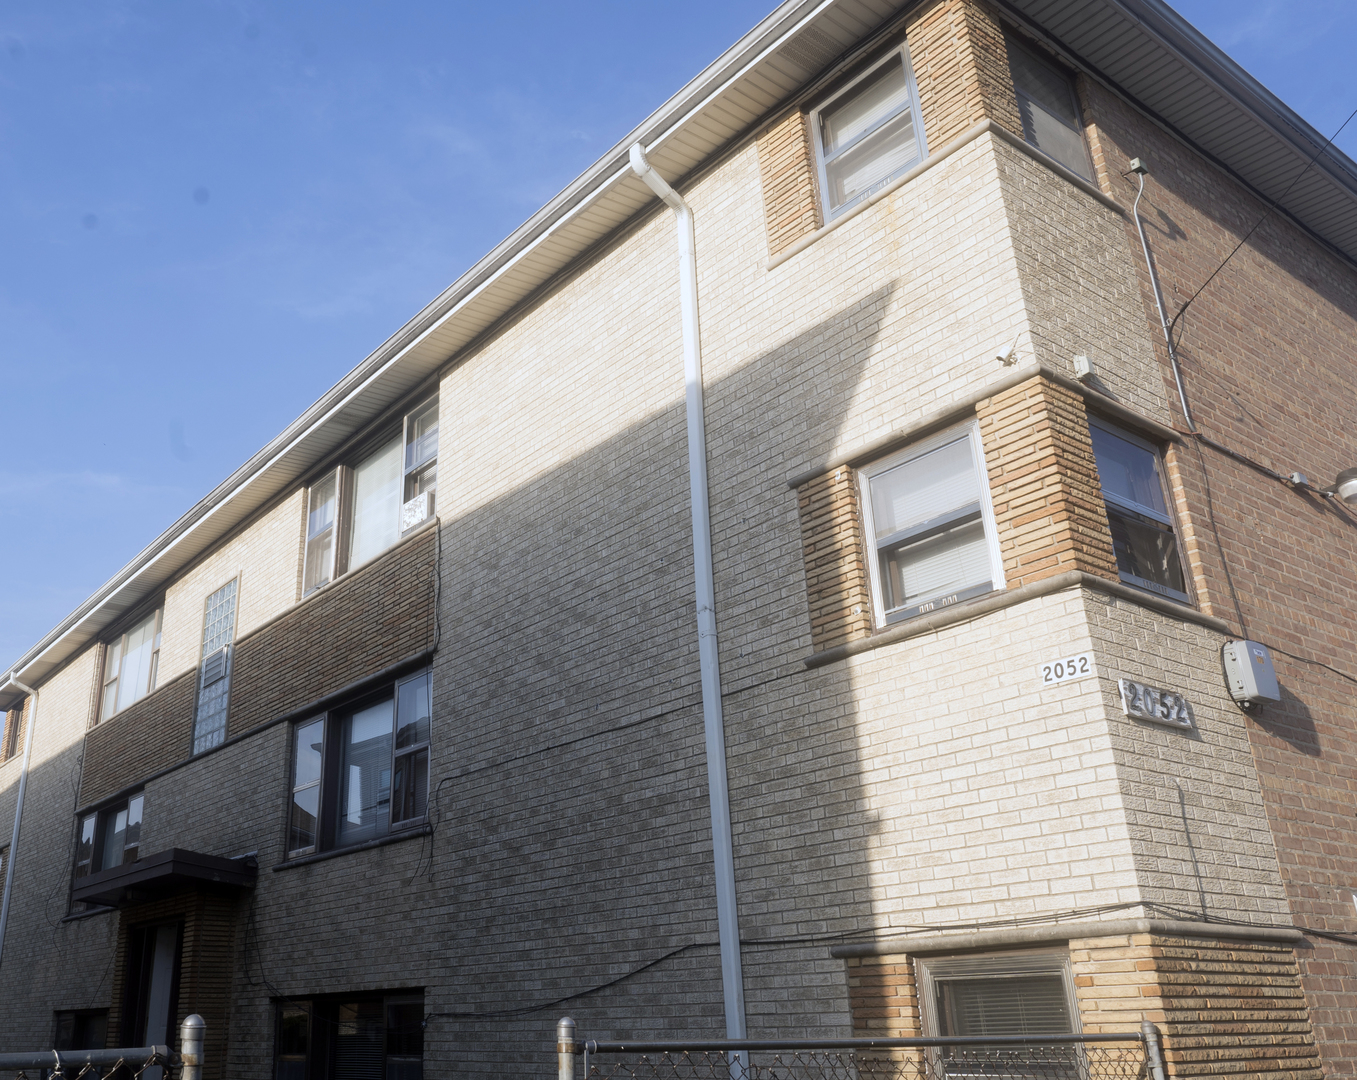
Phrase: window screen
(867, 134)
(1049, 109)
(1137, 512)
(928, 525)
(322, 502)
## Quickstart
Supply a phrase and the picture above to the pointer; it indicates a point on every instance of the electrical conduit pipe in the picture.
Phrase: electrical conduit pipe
(18, 808)
(727, 917)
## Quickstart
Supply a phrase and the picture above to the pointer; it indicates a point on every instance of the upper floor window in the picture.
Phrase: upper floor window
(109, 837)
(361, 771)
(867, 134)
(1049, 109)
(1143, 537)
(354, 513)
(214, 677)
(929, 526)
(130, 665)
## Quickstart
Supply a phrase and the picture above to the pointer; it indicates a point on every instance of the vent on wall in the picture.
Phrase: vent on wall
(811, 49)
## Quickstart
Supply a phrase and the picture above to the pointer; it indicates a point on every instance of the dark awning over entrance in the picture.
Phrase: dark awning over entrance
(164, 873)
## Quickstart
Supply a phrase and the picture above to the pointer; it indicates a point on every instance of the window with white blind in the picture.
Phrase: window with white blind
(929, 526)
(1019, 993)
(1049, 109)
(355, 512)
(214, 677)
(867, 134)
(130, 663)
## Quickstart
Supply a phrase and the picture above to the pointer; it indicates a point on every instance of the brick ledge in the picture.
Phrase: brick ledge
(997, 601)
(1022, 935)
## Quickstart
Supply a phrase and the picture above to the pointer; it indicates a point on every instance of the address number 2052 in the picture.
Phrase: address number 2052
(1066, 668)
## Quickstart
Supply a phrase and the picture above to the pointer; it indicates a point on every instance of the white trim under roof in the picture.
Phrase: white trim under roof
(1140, 46)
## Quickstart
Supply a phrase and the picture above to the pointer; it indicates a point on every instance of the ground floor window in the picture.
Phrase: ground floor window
(353, 1037)
(81, 1029)
(1018, 993)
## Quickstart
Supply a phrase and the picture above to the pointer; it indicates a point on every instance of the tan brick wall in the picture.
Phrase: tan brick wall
(884, 997)
(1224, 1007)
(961, 66)
(836, 573)
(1048, 505)
(787, 172)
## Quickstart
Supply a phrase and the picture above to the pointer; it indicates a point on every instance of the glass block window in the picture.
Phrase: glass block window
(214, 679)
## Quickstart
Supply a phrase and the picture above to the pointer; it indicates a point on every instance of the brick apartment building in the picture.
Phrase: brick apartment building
(396, 738)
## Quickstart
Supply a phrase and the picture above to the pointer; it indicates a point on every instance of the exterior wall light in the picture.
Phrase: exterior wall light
(1345, 487)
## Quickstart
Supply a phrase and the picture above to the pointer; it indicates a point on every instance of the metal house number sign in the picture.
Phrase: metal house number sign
(1158, 706)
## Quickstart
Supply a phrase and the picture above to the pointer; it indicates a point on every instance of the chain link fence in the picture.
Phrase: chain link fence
(1122, 1056)
(121, 1063)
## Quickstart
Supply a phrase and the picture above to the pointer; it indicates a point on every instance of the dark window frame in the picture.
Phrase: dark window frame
(98, 822)
(413, 757)
(317, 1059)
(1030, 137)
(1147, 516)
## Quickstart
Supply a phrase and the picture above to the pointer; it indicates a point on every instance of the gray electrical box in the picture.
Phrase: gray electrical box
(1249, 674)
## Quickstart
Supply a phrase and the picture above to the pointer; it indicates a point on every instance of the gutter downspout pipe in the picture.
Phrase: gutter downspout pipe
(18, 808)
(727, 915)
(1138, 167)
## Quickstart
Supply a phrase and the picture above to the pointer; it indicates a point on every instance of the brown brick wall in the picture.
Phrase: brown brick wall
(961, 67)
(787, 171)
(144, 738)
(1267, 358)
(1224, 1007)
(377, 617)
(1048, 504)
(207, 958)
(836, 573)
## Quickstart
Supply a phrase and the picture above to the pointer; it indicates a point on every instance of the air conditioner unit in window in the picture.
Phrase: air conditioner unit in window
(416, 510)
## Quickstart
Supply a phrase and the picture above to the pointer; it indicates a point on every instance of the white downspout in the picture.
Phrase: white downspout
(18, 808)
(727, 916)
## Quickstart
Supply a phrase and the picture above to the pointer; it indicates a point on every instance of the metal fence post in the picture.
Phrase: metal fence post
(565, 1049)
(1154, 1053)
(191, 1047)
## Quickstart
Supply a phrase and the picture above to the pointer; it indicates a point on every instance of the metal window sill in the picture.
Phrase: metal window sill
(321, 856)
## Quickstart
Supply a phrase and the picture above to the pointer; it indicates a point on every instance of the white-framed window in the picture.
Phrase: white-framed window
(355, 512)
(1027, 993)
(214, 676)
(929, 526)
(867, 133)
(130, 663)
(361, 770)
(1049, 108)
(1131, 471)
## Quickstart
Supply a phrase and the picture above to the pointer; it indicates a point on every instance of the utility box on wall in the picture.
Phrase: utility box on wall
(1249, 673)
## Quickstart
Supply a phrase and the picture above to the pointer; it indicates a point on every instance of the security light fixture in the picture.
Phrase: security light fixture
(1344, 488)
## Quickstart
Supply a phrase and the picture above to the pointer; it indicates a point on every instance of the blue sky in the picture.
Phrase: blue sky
(209, 211)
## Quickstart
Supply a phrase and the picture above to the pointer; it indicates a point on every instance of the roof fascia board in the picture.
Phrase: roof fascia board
(1176, 35)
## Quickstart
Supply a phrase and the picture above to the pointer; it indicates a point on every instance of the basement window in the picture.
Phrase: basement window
(350, 1036)
(929, 527)
(867, 134)
(1143, 538)
(1027, 994)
